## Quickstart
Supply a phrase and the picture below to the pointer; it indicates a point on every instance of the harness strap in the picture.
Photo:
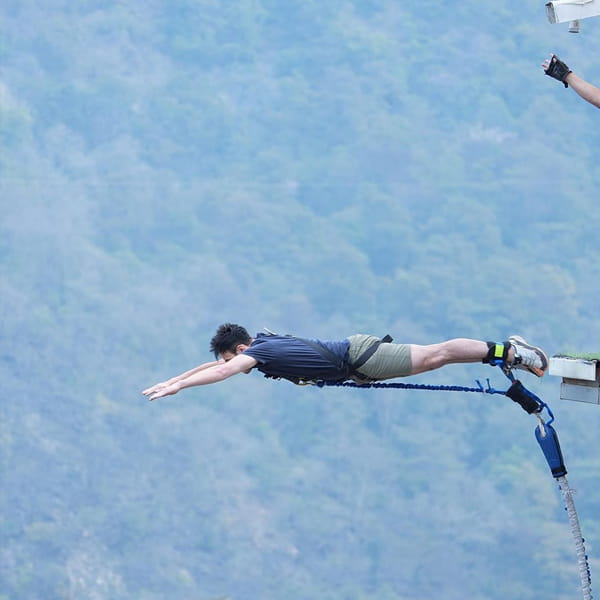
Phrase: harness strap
(324, 352)
(366, 355)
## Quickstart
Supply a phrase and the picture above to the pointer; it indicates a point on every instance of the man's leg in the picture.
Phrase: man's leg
(459, 350)
(516, 353)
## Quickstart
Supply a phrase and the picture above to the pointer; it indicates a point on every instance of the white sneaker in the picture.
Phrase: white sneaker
(528, 357)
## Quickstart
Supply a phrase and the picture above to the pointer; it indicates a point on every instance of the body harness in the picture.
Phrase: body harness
(351, 368)
(346, 368)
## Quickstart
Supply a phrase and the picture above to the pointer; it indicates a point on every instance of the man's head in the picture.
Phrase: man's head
(228, 337)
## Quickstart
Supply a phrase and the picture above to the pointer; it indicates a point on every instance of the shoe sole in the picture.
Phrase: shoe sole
(538, 351)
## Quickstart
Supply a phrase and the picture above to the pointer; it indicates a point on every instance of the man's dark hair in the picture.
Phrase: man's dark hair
(227, 338)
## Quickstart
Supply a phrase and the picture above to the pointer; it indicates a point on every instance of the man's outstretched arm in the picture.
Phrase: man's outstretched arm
(172, 380)
(213, 373)
(557, 69)
(585, 89)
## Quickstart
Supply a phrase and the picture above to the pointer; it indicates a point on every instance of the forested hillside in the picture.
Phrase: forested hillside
(318, 168)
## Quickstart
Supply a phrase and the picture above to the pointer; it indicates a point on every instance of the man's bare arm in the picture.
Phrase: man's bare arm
(557, 69)
(213, 374)
(585, 89)
(172, 380)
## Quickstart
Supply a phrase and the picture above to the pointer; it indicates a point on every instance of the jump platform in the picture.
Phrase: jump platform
(580, 377)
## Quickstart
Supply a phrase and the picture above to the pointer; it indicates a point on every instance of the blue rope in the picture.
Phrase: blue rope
(415, 386)
(528, 401)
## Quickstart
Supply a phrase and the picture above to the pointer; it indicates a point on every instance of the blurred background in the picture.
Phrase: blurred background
(321, 169)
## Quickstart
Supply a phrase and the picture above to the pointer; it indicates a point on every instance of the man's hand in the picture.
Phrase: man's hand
(556, 68)
(160, 390)
(156, 387)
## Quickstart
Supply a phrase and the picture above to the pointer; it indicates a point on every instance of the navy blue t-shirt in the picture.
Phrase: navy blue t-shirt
(290, 357)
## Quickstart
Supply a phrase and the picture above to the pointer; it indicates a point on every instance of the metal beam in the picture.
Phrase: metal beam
(567, 11)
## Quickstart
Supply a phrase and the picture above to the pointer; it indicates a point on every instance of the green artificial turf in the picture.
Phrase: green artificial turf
(581, 355)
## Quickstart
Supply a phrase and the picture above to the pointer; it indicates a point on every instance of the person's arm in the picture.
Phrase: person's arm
(172, 380)
(586, 90)
(557, 69)
(218, 371)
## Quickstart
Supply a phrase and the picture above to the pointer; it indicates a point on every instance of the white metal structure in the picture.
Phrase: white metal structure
(572, 11)
(581, 378)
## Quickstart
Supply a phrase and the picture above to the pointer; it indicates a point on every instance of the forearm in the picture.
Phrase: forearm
(193, 371)
(212, 374)
(203, 375)
(586, 90)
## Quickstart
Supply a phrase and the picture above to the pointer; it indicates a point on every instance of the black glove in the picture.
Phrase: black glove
(558, 70)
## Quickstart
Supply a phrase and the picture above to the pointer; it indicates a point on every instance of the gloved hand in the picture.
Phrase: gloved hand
(556, 68)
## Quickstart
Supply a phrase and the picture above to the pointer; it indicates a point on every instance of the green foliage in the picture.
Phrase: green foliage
(316, 168)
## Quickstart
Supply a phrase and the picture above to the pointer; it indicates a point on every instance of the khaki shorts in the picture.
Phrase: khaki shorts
(387, 362)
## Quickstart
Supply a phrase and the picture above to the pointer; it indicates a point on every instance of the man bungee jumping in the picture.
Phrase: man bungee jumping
(360, 358)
